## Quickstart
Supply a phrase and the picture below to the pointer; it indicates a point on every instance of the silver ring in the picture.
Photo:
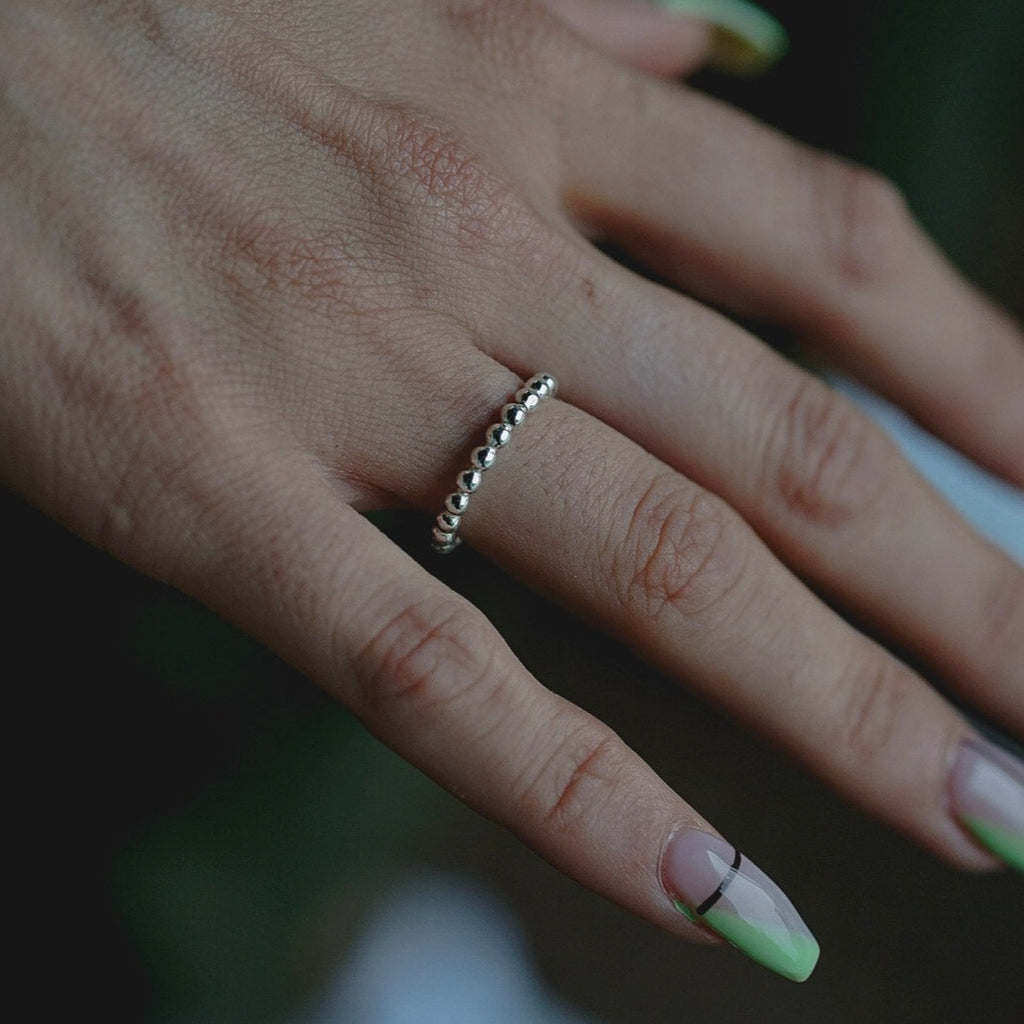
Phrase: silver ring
(446, 526)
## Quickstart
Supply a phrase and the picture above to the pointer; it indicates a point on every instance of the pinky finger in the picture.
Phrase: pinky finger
(428, 674)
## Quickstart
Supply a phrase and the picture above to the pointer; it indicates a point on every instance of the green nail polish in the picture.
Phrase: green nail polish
(686, 911)
(1007, 845)
(793, 954)
(748, 40)
(716, 886)
(987, 798)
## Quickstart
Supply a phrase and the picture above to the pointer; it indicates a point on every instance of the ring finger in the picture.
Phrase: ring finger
(671, 569)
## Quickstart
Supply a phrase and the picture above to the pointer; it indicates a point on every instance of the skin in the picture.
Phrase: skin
(265, 266)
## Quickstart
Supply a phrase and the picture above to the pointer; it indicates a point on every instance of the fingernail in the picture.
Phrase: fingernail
(748, 40)
(986, 790)
(712, 883)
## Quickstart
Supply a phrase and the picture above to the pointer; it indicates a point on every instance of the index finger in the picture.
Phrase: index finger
(429, 675)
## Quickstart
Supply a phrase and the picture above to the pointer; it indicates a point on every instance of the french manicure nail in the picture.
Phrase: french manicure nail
(748, 40)
(986, 790)
(713, 883)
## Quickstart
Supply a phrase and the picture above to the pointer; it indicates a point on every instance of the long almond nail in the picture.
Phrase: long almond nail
(748, 40)
(713, 883)
(986, 791)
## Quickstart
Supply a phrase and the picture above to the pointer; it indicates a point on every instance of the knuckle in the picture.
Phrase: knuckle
(584, 766)
(872, 696)
(864, 228)
(512, 39)
(422, 187)
(486, 23)
(683, 552)
(449, 188)
(265, 256)
(433, 159)
(427, 656)
(1001, 620)
(426, 181)
(831, 461)
(990, 378)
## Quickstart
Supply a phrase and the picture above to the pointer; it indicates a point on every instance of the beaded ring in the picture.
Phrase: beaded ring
(446, 526)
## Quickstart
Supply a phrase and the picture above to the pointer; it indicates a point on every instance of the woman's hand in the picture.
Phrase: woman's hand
(264, 266)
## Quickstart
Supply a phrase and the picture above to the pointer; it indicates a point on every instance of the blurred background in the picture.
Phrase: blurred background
(199, 835)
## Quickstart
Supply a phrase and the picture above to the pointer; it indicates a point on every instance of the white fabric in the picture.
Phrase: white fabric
(441, 950)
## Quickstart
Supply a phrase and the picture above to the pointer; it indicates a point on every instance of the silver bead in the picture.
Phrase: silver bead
(499, 435)
(483, 457)
(544, 384)
(448, 521)
(443, 538)
(538, 385)
(457, 502)
(513, 414)
(445, 532)
(527, 398)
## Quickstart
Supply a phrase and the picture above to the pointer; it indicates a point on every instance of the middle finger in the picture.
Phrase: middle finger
(655, 559)
(817, 479)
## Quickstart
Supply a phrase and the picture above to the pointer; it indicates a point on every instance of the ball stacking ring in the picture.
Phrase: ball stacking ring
(526, 399)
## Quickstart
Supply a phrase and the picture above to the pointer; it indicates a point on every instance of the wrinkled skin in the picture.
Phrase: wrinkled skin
(264, 266)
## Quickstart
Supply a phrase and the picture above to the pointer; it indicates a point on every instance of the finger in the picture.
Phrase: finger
(676, 37)
(814, 476)
(429, 675)
(741, 216)
(669, 568)
(641, 34)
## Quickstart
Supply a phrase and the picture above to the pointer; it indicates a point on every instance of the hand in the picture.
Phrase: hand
(267, 266)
